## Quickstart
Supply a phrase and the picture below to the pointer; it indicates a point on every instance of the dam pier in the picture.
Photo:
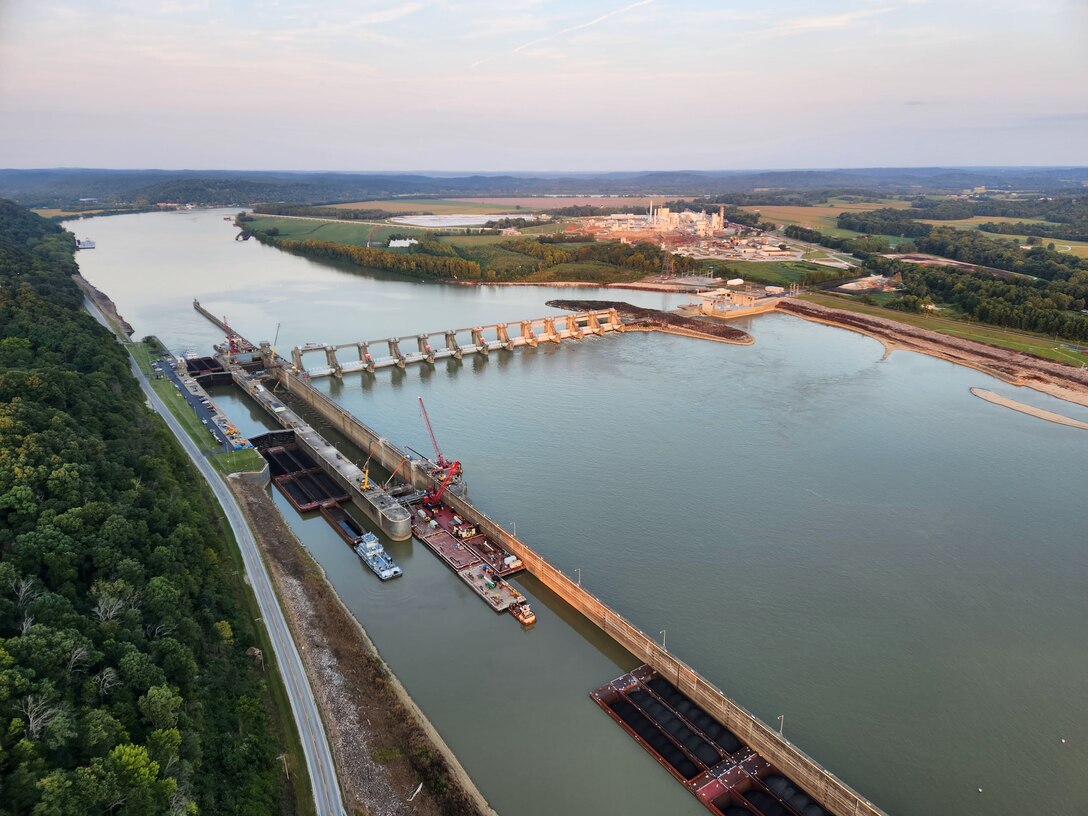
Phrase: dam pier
(456, 343)
(745, 780)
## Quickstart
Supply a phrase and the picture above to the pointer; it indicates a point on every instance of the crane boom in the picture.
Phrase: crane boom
(436, 497)
(443, 463)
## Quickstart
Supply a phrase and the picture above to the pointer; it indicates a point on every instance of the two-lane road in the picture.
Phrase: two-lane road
(326, 789)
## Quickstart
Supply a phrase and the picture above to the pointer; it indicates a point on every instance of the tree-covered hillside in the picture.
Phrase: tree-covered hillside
(125, 687)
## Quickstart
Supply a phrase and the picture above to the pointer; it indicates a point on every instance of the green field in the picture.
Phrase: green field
(341, 232)
(1078, 248)
(776, 273)
(223, 461)
(437, 206)
(494, 259)
(1039, 345)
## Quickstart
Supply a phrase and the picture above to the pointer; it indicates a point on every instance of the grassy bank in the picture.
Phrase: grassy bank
(223, 461)
(1039, 345)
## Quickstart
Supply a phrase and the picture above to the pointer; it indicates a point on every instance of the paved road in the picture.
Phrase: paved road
(326, 788)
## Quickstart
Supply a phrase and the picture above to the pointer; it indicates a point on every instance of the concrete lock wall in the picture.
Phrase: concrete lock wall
(802, 769)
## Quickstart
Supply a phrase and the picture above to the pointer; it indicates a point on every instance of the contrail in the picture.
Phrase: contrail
(578, 27)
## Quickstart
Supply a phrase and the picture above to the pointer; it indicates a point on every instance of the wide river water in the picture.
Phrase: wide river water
(856, 543)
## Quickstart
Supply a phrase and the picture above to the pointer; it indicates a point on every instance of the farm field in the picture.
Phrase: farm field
(634, 203)
(821, 218)
(54, 213)
(437, 206)
(342, 232)
(1078, 248)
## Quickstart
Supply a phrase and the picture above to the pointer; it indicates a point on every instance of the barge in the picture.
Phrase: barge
(304, 484)
(365, 544)
(381, 508)
(724, 774)
(483, 578)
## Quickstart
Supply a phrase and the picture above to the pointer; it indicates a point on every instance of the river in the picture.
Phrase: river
(896, 566)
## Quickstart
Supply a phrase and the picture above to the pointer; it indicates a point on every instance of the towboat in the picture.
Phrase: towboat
(524, 613)
(371, 551)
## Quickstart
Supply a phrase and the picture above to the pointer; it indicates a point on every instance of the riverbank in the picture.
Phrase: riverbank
(383, 744)
(1056, 379)
(104, 304)
(634, 286)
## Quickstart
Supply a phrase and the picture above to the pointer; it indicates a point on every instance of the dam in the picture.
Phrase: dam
(456, 343)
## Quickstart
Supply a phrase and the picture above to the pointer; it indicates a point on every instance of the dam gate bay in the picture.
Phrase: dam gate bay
(859, 544)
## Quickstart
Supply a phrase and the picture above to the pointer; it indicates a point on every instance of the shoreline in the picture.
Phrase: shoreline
(383, 744)
(1015, 368)
(632, 285)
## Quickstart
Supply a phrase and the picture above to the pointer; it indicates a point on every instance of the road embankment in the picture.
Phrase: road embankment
(383, 744)
(657, 320)
(1057, 379)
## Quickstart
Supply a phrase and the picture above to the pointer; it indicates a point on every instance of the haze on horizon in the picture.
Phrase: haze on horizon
(489, 85)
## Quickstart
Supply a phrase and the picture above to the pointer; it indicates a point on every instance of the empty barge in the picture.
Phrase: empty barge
(304, 484)
(724, 774)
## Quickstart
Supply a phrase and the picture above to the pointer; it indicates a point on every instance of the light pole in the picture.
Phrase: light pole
(663, 640)
(781, 723)
(579, 571)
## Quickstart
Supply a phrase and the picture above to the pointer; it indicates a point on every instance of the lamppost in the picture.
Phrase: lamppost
(663, 640)
(781, 723)
(579, 571)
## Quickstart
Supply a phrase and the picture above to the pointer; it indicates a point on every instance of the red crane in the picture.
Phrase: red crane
(434, 498)
(232, 339)
(443, 462)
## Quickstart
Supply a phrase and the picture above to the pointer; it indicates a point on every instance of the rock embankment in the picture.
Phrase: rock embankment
(657, 320)
(382, 744)
(104, 304)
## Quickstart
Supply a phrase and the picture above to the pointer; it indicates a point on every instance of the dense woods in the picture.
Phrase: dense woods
(1054, 309)
(125, 687)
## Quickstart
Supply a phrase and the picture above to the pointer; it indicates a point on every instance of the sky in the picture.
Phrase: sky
(542, 85)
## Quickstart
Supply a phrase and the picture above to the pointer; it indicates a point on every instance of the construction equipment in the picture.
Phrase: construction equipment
(434, 498)
(396, 470)
(442, 461)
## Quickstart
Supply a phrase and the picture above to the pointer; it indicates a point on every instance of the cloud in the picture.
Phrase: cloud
(560, 33)
(825, 23)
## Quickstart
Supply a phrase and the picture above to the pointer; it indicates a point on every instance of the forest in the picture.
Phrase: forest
(1054, 309)
(125, 684)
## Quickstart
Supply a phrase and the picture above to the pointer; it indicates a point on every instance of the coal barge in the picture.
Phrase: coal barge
(724, 774)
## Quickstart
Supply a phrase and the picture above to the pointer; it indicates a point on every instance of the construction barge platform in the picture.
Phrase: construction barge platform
(728, 777)
(478, 562)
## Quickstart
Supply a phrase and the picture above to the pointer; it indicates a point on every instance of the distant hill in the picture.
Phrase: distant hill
(64, 187)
